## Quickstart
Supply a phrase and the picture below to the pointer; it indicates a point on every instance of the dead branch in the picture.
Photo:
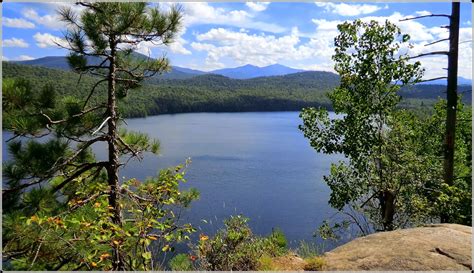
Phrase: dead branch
(425, 16)
(430, 54)
(439, 41)
(433, 79)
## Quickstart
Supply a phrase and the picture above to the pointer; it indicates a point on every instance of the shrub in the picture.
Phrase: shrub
(279, 238)
(314, 264)
(265, 263)
(181, 262)
(236, 248)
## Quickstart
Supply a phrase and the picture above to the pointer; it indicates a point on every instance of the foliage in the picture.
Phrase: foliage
(217, 94)
(372, 71)
(236, 248)
(452, 201)
(278, 237)
(314, 264)
(181, 262)
(64, 209)
(80, 235)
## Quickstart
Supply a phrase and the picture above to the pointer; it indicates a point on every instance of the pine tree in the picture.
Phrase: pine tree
(65, 209)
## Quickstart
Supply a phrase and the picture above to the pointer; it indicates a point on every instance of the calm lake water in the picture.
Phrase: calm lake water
(255, 164)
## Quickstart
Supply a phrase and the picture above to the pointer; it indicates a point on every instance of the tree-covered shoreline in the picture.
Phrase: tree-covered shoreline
(215, 93)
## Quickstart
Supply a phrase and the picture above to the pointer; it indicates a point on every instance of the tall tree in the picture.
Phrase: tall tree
(111, 32)
(452, 98)
(86, 201)
(372, 70)
(451, 93)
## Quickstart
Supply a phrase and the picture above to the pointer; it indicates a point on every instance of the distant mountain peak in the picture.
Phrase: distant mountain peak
(251, 71)
(246, 71)
(276, 65)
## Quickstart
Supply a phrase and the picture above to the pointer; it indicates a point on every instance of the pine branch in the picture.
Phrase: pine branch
(86, 145)
(80, 114)
(92, 91)
(131, 74)
(87, 167)
(135, 153)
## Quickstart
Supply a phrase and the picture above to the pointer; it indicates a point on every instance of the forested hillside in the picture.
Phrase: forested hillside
(215, 93)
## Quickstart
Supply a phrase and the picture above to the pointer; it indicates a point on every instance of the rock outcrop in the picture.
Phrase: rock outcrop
(434, 247)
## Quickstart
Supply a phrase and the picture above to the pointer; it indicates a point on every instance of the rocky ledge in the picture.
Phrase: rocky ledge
(434, 247)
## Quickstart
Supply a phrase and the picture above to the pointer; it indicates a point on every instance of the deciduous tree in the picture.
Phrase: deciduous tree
(372, 66)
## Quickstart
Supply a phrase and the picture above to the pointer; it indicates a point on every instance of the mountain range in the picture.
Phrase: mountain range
(243, 72)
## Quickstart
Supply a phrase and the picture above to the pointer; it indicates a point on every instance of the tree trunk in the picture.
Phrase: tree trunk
(113, 164)
(452, 99)
(387, 209)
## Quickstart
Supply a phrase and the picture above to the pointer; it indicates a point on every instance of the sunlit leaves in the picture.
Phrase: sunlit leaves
(372, 69)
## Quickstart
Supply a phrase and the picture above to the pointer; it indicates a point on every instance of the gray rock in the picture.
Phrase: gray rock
(433, 247)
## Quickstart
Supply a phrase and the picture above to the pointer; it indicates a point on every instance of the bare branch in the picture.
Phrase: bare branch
(100, 127)
(366, 201)
(92, 91)
(425, 16)
(433, 79)
(12, 138)
(52, 122)
(87, 200)
(439, 41)
(84, 146)
(430, 54)
(135, 196)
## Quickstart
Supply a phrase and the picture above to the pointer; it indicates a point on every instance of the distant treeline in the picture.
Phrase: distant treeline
(215, 93)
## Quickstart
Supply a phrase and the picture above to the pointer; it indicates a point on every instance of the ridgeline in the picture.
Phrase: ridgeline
(216, 93)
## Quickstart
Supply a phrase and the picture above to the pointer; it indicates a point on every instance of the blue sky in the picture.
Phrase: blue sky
(226, 34)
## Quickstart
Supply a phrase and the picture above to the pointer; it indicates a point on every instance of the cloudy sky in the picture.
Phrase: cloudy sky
(218, 35)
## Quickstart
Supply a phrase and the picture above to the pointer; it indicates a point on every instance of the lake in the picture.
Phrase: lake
(257, 164)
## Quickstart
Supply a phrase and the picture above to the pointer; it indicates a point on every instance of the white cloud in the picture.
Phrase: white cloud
(203, 13)
(49, 21)
(45, 40)
(17, 23)
(344, 9)
(257, 6)
(423, 13)
(322, 40)
(5, 58)
(257, 49)
(177, 46)
(25, 58)
(15, 42)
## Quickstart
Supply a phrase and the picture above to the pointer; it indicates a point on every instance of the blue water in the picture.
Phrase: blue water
(255, 164)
